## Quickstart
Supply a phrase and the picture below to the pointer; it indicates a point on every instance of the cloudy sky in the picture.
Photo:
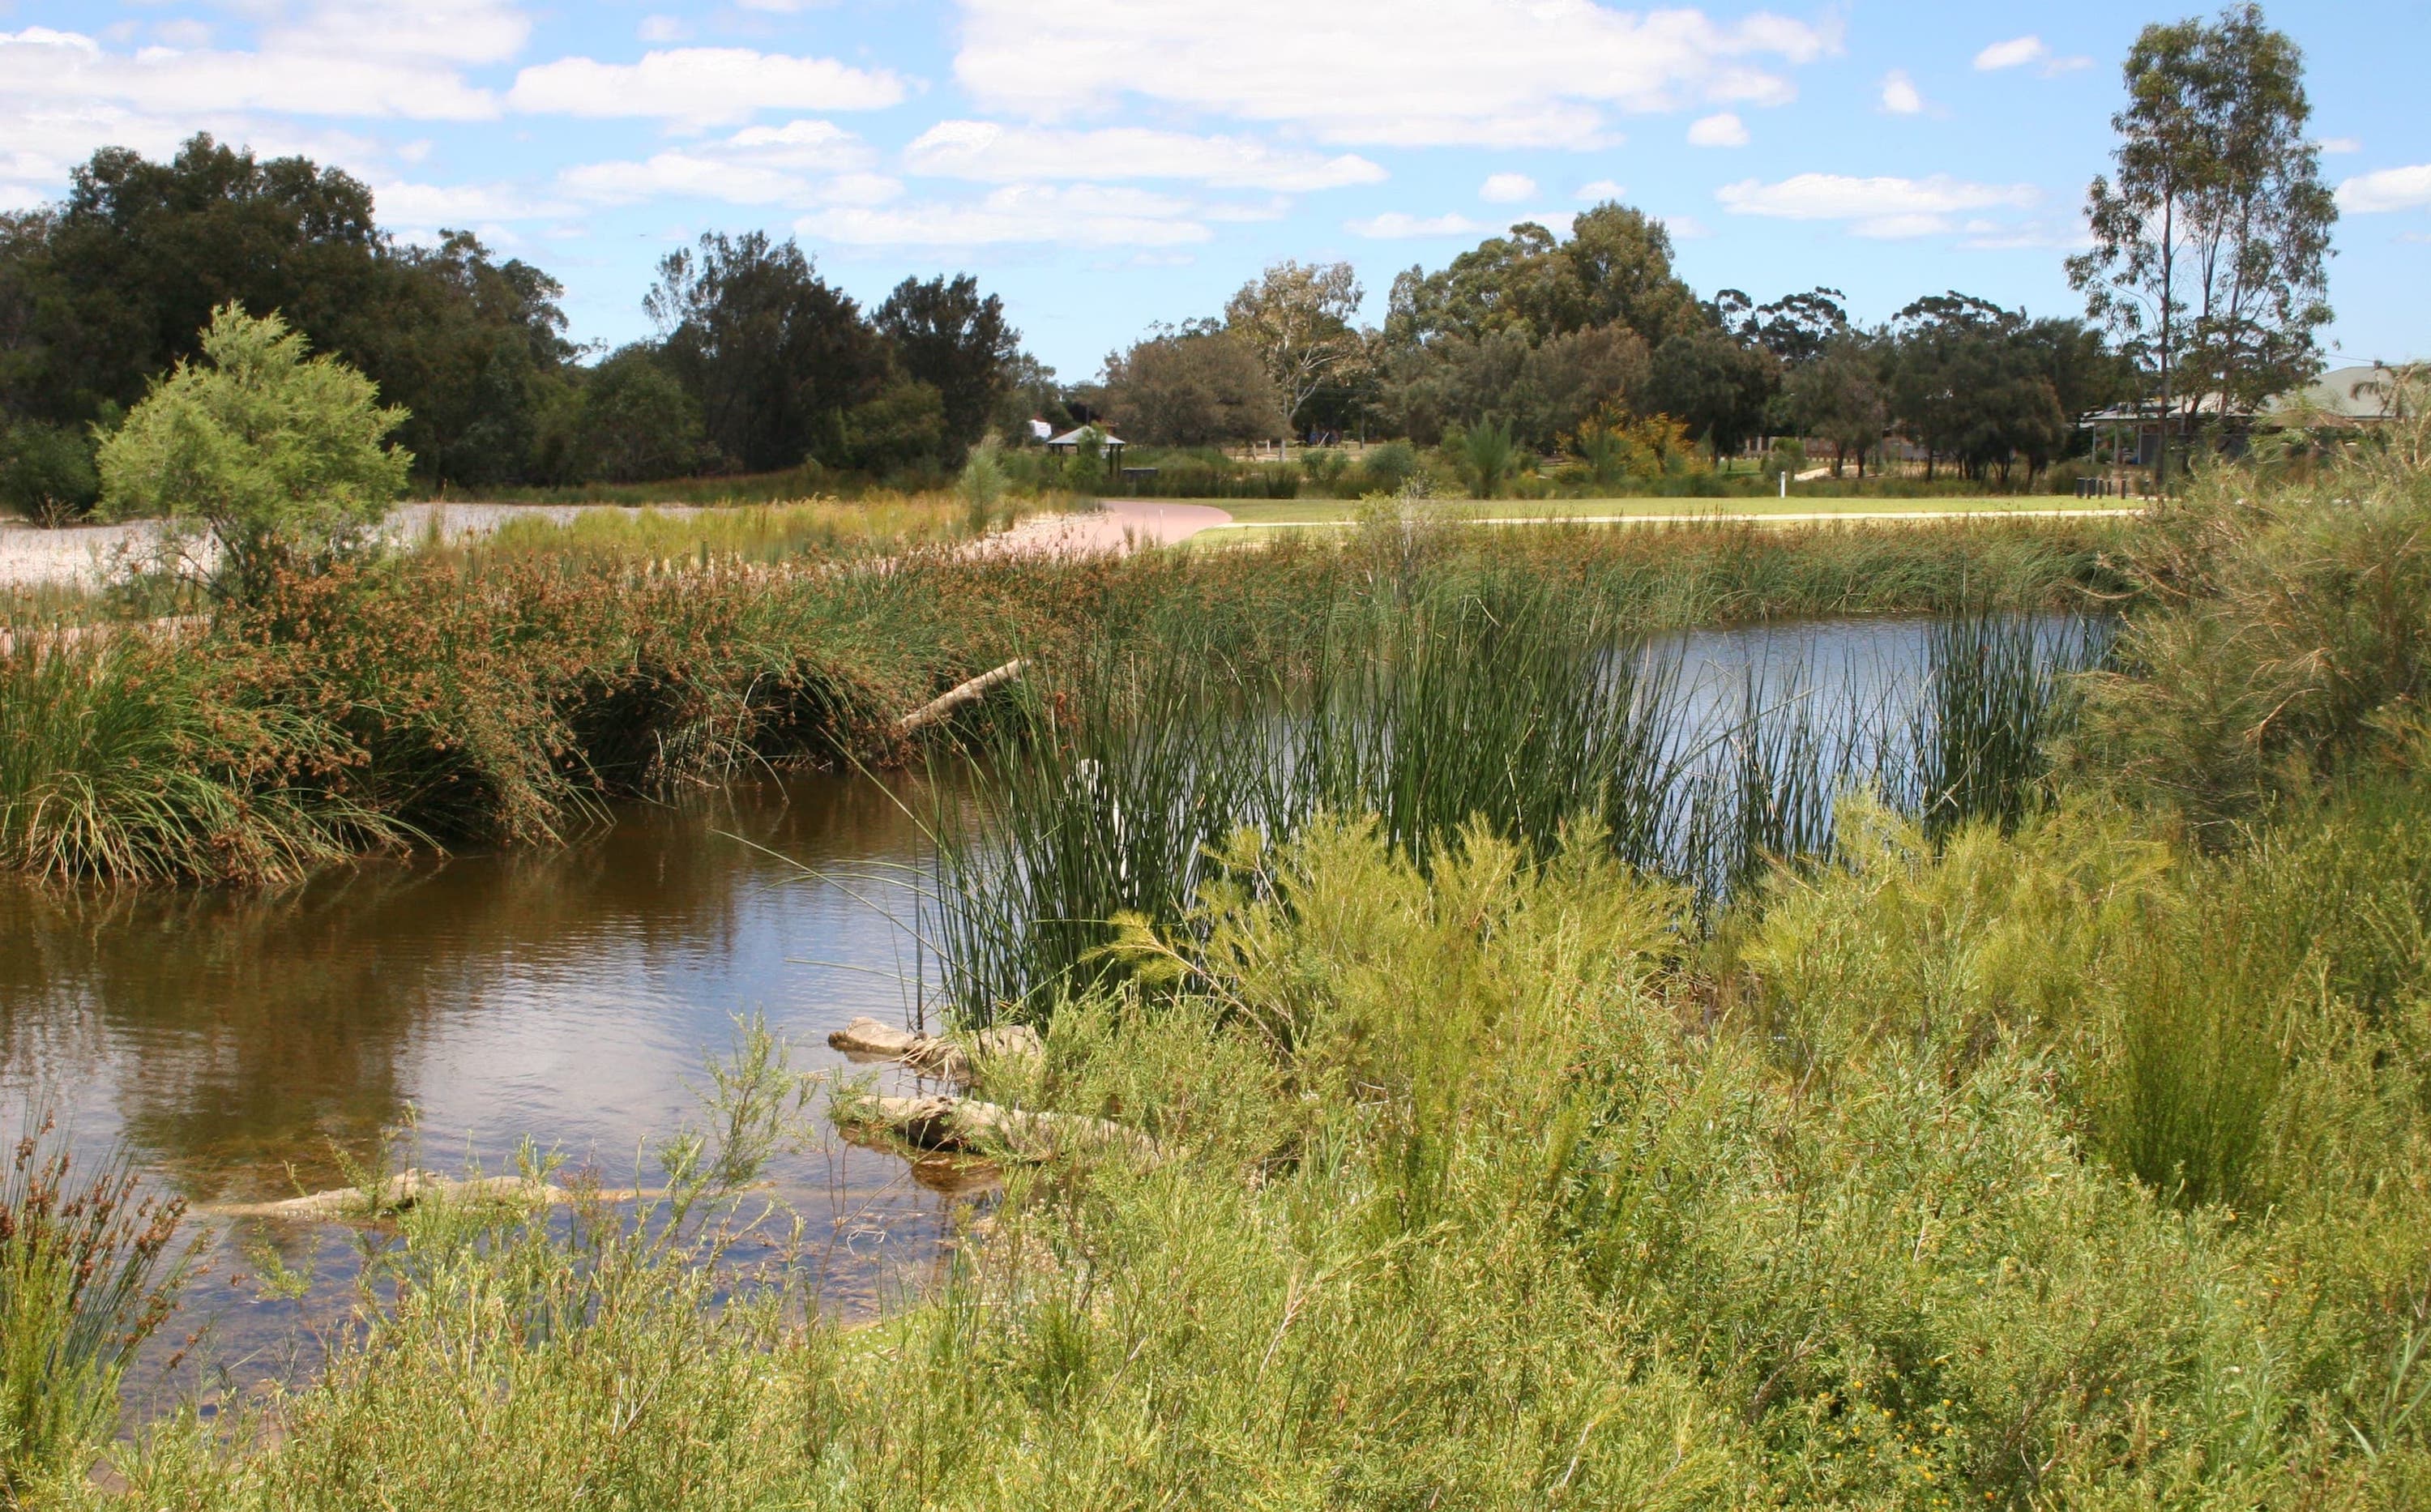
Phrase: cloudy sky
(1106, 163)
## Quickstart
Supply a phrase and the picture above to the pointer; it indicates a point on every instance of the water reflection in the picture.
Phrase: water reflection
(243, 1044)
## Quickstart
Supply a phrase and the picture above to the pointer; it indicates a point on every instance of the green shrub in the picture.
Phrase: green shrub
(983, 483)
(1390, 466)
(2293, 642)
(282, 455)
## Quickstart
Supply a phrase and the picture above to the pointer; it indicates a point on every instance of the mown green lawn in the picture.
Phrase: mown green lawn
(1322, 510)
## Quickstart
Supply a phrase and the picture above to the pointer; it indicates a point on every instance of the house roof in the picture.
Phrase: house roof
(1074, 437)
(2352, 394)
(2346, 394)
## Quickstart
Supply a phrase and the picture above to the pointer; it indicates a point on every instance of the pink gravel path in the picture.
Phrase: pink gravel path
(1119, 526)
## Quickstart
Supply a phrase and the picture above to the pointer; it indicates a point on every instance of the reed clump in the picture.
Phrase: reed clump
(504, 693)
(89, 1268)
(1115, 792)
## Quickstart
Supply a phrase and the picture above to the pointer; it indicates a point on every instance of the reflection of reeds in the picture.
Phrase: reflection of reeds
(1108, 794)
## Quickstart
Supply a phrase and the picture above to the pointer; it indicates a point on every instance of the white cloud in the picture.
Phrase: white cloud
(663, 29)
(1506, 189)
(801, 162)
(42, 142)
(1724, 130)
(2338, 145)
(1881, 208)
(461, 31)
(1900, 94)
(1470, 72)
(806, 145)
(1060, 214)
(700, 85)
(1398, 225)
(2015, 53)
(2020, 51)
(993, 153)
(404, 67)
(2390, 189)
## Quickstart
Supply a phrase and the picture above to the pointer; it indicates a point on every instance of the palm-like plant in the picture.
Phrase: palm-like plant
(1487, 456)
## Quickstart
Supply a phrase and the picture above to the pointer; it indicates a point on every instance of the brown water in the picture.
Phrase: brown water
(242, 1046)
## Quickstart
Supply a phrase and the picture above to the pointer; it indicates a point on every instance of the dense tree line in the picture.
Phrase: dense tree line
(2207, 278)
(1554, 341)
(760, 363)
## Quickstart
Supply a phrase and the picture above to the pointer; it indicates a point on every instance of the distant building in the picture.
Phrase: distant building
(2346, 396)
(1069, 442)
(1109, 444)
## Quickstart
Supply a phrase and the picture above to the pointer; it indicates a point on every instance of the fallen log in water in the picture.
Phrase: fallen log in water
(954, 697)
(967, 1126)
(355, 1205)
(936, 1054)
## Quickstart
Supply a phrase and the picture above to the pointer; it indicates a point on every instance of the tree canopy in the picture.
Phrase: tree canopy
(956, 340)
(1197, 385)
(1298, 319)
(2212, 234)
(1616, 267)
(106, 291)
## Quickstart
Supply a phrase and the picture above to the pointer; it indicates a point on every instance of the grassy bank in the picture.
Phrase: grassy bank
(496, 694)
(2075, 1156)
(2035, 1172)
(777, 531)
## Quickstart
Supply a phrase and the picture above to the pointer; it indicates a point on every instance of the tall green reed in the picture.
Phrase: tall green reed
(1999, 691)
(88, 1269)
(125, 761)
(1101, 804)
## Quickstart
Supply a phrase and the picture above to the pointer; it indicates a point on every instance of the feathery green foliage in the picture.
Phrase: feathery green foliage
(284, 456)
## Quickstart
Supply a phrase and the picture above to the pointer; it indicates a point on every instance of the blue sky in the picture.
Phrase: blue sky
(1107, 163)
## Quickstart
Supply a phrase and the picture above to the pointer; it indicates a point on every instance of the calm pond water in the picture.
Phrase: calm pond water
(239, 1044)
